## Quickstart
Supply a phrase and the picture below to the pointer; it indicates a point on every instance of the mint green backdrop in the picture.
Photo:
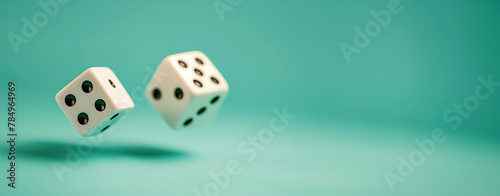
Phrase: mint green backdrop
(354, 120)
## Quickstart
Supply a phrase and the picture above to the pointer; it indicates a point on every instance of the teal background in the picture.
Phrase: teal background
(353, 119)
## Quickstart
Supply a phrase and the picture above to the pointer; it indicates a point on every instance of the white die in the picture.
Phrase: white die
(187, 89)
(94, 101)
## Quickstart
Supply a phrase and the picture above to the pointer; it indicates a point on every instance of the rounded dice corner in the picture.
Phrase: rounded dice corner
(95, 69)
(57, 97)
(197, 52)
(89, 133)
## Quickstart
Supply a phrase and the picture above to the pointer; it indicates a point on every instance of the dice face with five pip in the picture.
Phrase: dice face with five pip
(187, 89)
(94, 101)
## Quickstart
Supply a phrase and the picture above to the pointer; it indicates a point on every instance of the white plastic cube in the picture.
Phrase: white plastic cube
(187, 89)
(94, 101)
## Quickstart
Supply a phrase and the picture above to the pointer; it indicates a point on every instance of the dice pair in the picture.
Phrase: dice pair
(186, 89)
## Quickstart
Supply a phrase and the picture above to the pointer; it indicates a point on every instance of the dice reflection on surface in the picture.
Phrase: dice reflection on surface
(94, 101)
(187, 89)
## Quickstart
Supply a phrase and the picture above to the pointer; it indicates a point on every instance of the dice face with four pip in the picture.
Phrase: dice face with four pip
(187, 89)
(94, 101)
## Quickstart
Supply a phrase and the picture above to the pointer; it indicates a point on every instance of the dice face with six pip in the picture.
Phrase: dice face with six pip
(94, 101)
(187, 89)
